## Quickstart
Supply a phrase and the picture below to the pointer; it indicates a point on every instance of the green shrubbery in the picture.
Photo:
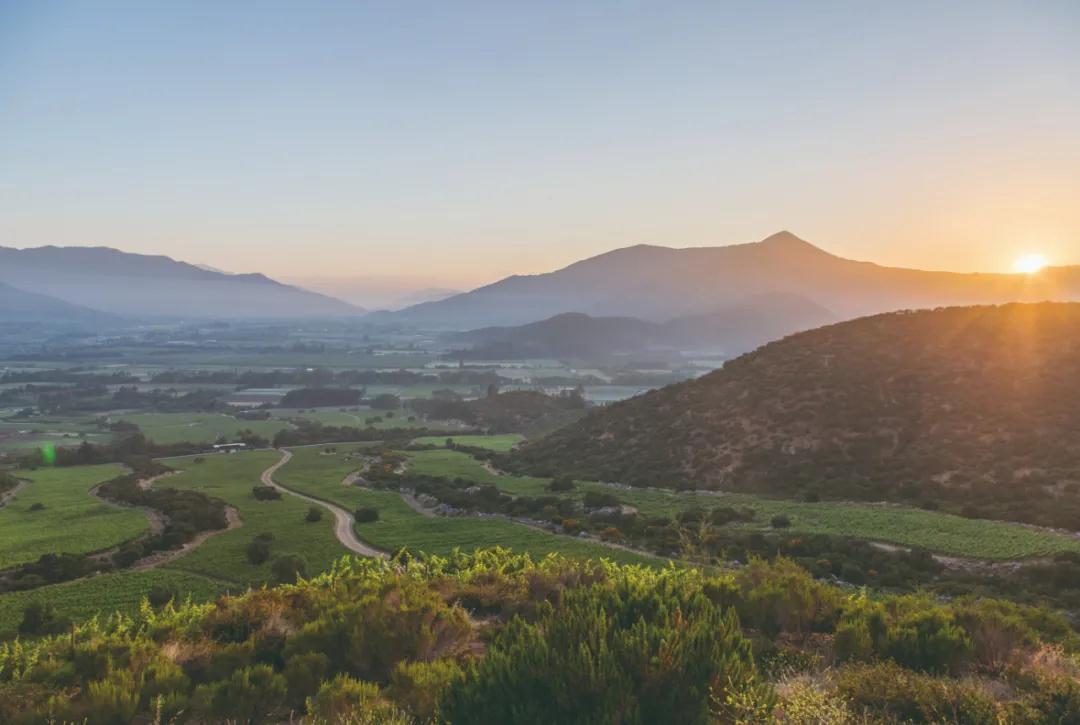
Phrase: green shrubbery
(494, 637)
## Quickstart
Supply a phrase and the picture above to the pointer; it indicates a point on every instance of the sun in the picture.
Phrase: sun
(1030, 263)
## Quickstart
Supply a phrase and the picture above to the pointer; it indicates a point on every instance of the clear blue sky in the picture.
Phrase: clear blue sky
(464, 141)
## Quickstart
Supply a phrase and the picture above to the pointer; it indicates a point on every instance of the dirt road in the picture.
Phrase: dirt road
(343, 520)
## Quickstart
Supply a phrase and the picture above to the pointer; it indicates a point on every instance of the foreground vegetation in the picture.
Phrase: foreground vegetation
(497, 637)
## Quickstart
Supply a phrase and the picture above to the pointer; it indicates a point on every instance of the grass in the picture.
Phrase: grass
(231, 478)
(71, 522)
(103, 595)
(500, 443)
(399, 526)
(168, 428)
(938, 532)
(58, 430)
(353, 418)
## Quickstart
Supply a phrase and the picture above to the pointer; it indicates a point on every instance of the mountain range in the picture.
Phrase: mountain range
(138, 285)
(975, 408)
(729, 331)
(660, 283)
(18, 307)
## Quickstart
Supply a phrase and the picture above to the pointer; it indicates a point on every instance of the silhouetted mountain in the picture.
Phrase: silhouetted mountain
(21, 308)
(976, 409)
(144, 285)
(729, 331)
(659, 283)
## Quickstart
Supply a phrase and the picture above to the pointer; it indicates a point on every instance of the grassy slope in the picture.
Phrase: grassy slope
(399, 526)
(72, 520)
(939, 532)
(231, 478)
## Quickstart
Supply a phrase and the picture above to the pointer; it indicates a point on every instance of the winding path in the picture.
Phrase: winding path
(343, 520)
(9, 495)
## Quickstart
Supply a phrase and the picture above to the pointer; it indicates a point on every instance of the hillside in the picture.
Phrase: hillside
(660, 283)
(144, 285)
(973, 409)
(18, 307)
(729, 331)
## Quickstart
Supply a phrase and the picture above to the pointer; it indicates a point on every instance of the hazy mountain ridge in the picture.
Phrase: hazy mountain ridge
(20, 307)
(729, 331)
(122, 283)
(659, 283)
(974, 407)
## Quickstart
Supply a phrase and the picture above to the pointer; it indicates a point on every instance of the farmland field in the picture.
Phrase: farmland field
(231, 478)
(104, 594)
(399, 526)
(58, 430)
(500, 443)
(168, 428)
(939, 532)
(72, 521)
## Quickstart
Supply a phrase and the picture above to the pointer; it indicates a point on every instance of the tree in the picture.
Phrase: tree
(314, 514)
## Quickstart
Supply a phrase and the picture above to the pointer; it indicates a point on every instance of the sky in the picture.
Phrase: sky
(450, 144)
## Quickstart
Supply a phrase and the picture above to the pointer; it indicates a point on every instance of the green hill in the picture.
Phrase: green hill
(974, 409)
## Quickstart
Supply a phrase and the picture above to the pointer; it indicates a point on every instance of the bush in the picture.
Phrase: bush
(893, 692)
(41, 618)
(614, 654)
(780, 522)
(562, 484)
(366, 515)
(161, 594)
(37, 506)
(286, 569)
(258, 551)
(314, 514)
(266, 493)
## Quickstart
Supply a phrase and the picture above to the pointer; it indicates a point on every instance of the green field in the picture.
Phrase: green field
(231, 478)
(352, 418)
(168, 428)
(103, 595)
(39, 430)
(399, 526)
(939, 532)
(500, 443)
(72, 521)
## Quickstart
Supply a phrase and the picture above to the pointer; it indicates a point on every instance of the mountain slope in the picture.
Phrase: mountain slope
(729, 331)
(20, 308)
(658, 283)
(976, 409)
(144, 285)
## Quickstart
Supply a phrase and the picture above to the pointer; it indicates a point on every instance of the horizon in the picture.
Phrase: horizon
(489, 142)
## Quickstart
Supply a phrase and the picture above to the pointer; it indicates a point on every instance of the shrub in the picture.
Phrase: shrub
(37, 506)
(562, 484)
(258, 551)
(161, 594)
(893, 692)
(286, 569)
(41, 618)
(780, 522)
(314, 514)
(251, 694)
(366, 515)
(266, 493)
(642, 652)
